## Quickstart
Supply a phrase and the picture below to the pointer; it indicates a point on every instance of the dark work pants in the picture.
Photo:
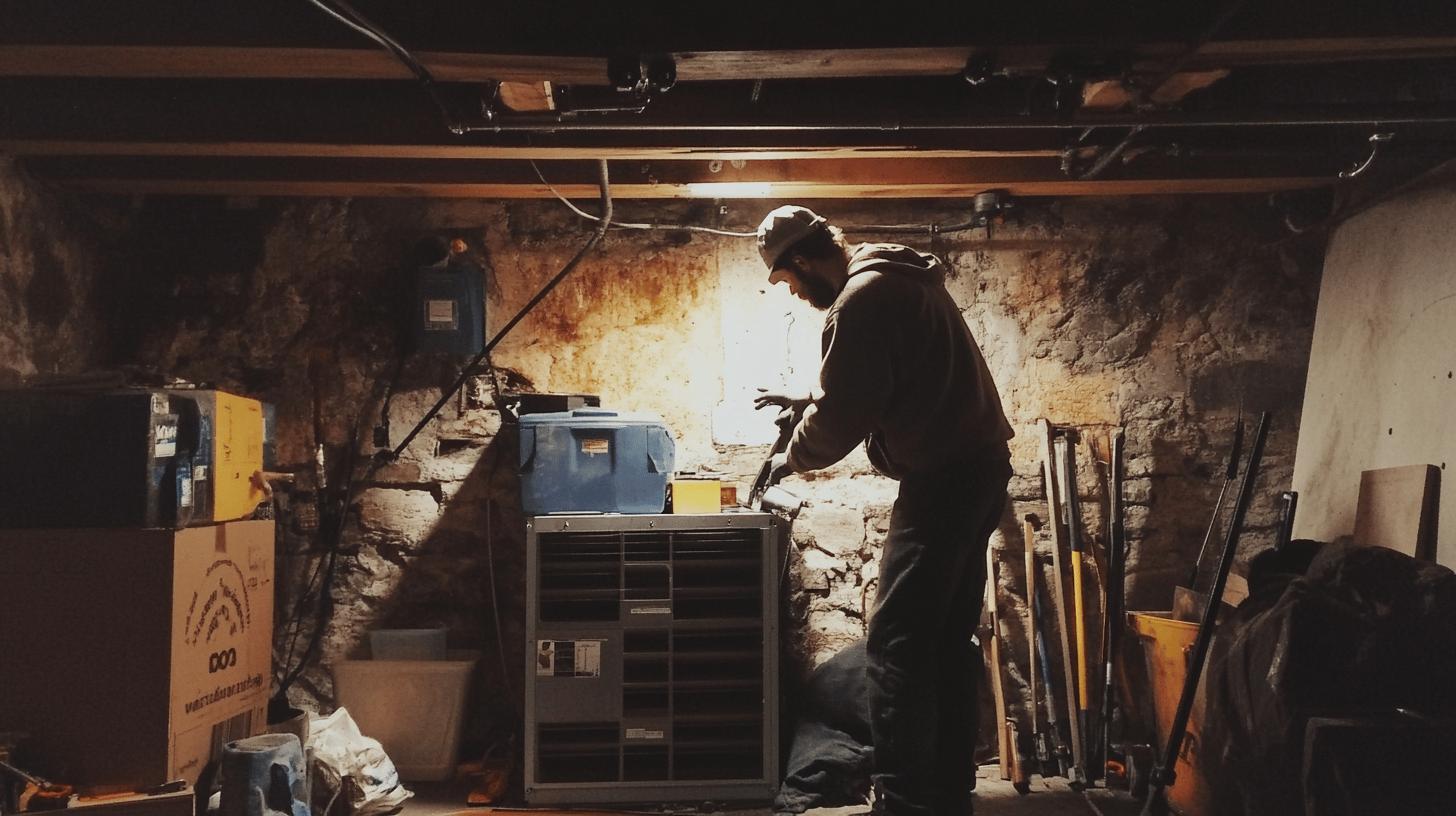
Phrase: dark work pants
(924, 670)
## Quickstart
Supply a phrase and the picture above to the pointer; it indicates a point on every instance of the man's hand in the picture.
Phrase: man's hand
(778, 468)
(796, 402)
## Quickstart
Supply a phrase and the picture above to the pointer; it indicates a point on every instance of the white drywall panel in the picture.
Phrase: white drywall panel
(1380, 391)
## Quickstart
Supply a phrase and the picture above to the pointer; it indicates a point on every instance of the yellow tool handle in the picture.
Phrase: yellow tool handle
(1081, 630)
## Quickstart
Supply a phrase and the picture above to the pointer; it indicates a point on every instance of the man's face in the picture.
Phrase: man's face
(804, 284)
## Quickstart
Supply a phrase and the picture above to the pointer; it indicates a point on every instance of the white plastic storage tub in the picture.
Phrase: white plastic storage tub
(594, 460)
(407, 644)
(413, 707)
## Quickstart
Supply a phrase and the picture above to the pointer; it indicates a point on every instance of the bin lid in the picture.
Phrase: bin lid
(588, 416)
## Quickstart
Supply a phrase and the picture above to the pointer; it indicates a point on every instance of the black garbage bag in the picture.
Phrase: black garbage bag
(830, 758)
(1364, 630)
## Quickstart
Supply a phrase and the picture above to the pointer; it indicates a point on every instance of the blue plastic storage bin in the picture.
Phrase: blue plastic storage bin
(594, 460)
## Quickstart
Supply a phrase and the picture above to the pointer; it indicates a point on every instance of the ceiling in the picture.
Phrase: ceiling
(277, 97)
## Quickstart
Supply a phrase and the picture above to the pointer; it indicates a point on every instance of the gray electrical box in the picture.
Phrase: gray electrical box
(652, 658)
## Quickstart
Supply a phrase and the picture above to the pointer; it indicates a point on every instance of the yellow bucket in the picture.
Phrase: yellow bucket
(1167, 644)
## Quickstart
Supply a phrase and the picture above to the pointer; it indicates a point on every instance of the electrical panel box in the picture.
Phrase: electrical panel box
(449, 313)
(652, 658)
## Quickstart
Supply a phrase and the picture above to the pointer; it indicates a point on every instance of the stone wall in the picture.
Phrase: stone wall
(49, 255)
(1161, 316)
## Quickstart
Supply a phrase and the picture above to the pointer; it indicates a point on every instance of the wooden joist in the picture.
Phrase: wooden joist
(214, 62)
(785, 189)
(342, 150)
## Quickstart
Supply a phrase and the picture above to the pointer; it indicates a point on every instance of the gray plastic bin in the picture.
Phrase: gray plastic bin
(594, 460)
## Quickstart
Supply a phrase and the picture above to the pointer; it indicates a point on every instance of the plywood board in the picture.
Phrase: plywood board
(1381, 382)
(1397, 509)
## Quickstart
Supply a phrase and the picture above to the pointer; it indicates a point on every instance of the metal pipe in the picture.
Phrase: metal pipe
(1106, 159)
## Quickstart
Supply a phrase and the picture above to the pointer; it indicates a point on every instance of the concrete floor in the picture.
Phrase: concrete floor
(1051, 797)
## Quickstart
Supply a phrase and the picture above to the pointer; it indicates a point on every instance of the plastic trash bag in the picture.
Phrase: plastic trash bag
(350, 770)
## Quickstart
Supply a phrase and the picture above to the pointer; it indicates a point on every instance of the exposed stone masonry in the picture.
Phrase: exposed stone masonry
(1157, 315)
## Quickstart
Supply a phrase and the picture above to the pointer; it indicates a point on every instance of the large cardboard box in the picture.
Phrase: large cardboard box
(130, 656)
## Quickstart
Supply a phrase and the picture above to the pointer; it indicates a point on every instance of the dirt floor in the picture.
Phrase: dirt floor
(994, 797)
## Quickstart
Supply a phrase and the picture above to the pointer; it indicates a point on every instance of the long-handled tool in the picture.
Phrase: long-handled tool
(766, 495)
(1067, 446)
(1116, 561)
(998, 696)
(1058, 752)
(1040, 744)
(1163, 774)
(37, 794)
(1008, 742)
(1058, 596)
(1187, 600)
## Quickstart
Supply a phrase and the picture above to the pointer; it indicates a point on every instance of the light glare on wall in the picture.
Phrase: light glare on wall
(730, 189)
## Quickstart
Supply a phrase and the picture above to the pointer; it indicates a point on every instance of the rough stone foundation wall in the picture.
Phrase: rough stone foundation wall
(49, 256)
(1160, 316)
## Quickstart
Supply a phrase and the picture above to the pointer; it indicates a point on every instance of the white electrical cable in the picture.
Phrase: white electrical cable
(626, 225)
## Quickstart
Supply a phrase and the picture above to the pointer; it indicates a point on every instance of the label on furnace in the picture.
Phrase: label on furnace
(568, 658)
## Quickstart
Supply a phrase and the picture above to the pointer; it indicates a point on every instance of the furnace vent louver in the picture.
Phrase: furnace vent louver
(653, 669)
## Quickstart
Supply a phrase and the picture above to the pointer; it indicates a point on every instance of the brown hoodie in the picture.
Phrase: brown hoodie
(901, 372)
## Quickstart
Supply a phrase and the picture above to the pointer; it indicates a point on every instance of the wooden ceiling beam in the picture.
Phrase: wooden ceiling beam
(828, 178)
(777, 190)
(850, 172)
(256, 149)
(210, 62)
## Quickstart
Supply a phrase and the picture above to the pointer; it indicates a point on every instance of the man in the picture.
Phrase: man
(902, 373)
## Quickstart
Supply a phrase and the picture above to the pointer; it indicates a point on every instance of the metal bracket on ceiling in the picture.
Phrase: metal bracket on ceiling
(1376, 140)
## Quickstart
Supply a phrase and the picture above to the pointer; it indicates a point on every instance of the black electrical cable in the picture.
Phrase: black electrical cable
(469, 368)
(347, 15)
(338, 520)
(932, 229)
(320, 582)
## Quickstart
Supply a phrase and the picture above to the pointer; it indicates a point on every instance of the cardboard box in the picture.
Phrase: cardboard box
(130, 656)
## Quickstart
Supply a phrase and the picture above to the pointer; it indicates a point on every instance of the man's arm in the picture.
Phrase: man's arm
(855, 382)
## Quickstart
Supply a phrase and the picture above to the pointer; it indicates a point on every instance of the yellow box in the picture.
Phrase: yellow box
(238, 454)
(223, 476)
(696, 496)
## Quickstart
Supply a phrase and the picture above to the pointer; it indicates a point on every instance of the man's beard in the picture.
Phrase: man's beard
(818, 292)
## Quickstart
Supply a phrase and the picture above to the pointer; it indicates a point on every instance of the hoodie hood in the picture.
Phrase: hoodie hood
(894, 259)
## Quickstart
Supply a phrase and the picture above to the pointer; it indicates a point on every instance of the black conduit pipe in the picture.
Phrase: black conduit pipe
(465, 372)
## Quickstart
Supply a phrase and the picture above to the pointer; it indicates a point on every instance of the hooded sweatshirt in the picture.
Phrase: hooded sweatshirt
(901, 372)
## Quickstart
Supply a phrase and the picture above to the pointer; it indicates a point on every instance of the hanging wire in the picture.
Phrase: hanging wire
(627, 225)
(347, 15)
